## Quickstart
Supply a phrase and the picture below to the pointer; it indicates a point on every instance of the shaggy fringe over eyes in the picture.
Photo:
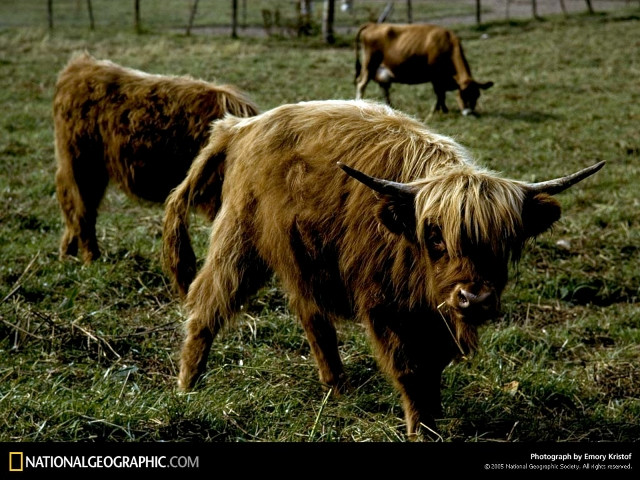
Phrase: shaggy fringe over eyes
(473, 209)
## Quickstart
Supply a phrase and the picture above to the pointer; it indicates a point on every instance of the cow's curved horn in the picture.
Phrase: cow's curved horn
(558, 185)
(386, 187)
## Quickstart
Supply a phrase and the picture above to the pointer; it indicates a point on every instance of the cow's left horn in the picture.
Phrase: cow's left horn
(386, 187)
(558, 185)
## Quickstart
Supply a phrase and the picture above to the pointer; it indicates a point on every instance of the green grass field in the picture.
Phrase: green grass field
(88, 353)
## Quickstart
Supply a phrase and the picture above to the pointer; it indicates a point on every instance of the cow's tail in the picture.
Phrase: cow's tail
(201, 189)
(236, 102)
(358, 62)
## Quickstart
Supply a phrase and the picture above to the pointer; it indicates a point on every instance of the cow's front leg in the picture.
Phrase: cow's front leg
(440, 106)
(421, 401)
(411, 352)
(441, 94)
(384, 78)
(385, 89)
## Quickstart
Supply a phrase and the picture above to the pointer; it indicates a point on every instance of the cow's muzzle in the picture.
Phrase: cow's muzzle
(474, 303)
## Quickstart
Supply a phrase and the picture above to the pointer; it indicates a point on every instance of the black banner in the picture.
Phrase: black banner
(208, 460)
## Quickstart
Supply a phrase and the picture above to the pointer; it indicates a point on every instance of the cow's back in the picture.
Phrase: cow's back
(368, 136)
(127, 120)
(413, 53)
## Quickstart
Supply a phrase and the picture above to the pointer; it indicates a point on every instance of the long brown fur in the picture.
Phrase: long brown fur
(140, 131)
(342, 250)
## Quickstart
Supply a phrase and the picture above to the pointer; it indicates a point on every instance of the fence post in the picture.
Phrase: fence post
(385, 13)
(50, 13)
(234, 18)
(534, 9)
(92, 25)
(328, 14)
(192, 16)
(136, 15)
(244, 13)
(563, 7)
(590, 7)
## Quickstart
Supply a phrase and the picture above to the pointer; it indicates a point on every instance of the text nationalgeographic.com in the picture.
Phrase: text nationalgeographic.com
(19, 462)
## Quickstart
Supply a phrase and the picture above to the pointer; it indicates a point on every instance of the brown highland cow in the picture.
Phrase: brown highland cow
(139, 130)
(414, 240)
(417, 53)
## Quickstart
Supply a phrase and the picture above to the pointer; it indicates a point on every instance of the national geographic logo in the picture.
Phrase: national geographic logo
(16, 461)
(19, 462)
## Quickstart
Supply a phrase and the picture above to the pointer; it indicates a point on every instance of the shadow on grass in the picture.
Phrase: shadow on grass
(522, 116)
(525, 428)
(199, 430)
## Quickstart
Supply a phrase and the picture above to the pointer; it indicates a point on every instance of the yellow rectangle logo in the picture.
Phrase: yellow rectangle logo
(16, 461)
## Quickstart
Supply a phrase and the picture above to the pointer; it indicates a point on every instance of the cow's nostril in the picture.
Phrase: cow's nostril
(464, 299)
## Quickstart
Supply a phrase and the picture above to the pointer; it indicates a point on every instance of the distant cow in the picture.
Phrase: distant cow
(415, 54)
(414, 240)
(140, 130)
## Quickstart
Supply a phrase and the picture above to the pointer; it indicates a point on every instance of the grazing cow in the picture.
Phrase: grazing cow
(142, 131)
(413, 54)
(414, 240)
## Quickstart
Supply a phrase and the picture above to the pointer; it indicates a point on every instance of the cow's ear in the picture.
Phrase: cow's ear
(485, 85)
(395, 209)
(398, 215)
(539, 213)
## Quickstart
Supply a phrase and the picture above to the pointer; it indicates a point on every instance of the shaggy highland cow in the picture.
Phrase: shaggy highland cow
(414, 240)
(139, 130)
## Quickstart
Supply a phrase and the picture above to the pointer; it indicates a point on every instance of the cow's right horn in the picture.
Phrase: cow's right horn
(386, 187)
(558, 185)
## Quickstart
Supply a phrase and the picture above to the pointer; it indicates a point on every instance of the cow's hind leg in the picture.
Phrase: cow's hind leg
(361, 85)
(323, 341)
(79, 191)
(367, 72)
(232, 272)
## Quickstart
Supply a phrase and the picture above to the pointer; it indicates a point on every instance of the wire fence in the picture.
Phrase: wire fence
(274, 16)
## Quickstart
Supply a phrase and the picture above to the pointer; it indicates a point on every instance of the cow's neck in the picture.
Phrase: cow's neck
(462, 74)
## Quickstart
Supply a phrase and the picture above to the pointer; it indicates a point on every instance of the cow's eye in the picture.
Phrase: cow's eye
(435, 242)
